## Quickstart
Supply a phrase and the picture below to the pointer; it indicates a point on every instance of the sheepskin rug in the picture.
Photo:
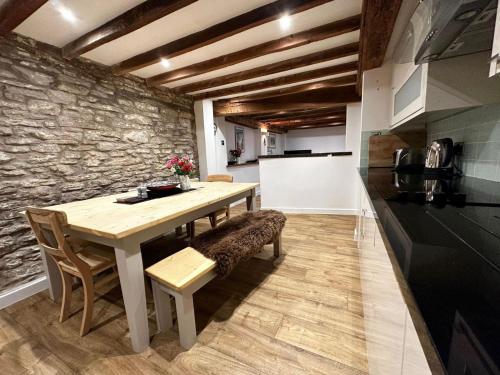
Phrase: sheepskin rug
(239, 238)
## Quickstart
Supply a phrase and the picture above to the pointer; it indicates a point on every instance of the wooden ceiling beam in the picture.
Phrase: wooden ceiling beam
(278, 45)
(131, 20)
(251, 123)
(286, 80)
(311, 115)
(278, 67)
(313, 126)
(301, 113)
(317, 120)
(314, 99)
(14, 12)
(377, 24)
(212, 34)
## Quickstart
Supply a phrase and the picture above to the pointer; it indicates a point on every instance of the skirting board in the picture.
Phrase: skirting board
(319, 211)
(22, 291)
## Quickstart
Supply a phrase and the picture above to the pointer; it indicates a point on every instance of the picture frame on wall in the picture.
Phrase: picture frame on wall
(272, 141)
(239, 138)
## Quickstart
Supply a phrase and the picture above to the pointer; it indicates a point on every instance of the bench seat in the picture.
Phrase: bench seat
(186, 271)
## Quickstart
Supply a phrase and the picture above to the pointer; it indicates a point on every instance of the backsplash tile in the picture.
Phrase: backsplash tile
(479, 129)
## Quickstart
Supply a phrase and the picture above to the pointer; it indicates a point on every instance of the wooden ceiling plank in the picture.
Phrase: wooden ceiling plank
(127, 22)
(377, 24)
(278, 45)
(314, 99)
(278, 67)
(286, 80)
(212, 34)
(14, 12)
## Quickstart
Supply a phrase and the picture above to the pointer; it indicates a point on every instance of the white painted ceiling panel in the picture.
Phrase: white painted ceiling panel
(329, 12)
(195, 17)
(48, 26)
(273, 57)
(286, 73)
(283, 86)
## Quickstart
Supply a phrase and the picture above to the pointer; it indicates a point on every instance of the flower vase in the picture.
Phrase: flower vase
(237, 160)
(185, 182)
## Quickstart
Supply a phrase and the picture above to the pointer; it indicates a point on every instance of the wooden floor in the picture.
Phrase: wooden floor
(299, 314)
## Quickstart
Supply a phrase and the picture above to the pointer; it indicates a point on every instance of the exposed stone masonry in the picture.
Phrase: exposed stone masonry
(71, 130)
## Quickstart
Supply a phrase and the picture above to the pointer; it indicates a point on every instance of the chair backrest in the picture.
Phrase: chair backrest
(220, 178)
(49, 228)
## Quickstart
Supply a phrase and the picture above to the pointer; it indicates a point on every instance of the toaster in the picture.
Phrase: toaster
(409, 159)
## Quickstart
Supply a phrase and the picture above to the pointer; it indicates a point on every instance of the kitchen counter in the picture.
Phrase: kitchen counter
(242, 164)
(447, 260)
(320, 154)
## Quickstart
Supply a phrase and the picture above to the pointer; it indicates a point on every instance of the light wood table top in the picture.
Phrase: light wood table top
(102, 216)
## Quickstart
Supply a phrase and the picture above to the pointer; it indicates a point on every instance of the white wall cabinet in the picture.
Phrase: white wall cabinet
(495, 49)
(392, 343)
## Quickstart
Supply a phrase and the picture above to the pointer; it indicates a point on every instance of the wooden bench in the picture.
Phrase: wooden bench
(180, 275)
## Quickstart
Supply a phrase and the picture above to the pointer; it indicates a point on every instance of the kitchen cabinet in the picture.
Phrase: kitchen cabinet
(495, 49)
(392, 343)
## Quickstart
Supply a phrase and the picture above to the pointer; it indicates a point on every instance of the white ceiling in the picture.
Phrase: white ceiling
(47, 25)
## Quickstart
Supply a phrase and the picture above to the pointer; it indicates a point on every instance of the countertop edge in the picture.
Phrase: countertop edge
(242, 164)
(430, 351)
(282, 156)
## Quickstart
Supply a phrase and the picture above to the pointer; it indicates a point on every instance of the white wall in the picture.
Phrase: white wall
(322, 185)
(318, 140)
(225, 132)
(204, 118)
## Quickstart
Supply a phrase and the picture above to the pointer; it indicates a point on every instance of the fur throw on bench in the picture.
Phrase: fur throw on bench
(239, 238)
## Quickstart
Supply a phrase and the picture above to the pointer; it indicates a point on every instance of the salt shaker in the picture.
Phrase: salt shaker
(142, 192)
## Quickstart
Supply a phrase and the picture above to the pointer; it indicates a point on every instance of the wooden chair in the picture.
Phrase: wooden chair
(73, 257)
(214, 217)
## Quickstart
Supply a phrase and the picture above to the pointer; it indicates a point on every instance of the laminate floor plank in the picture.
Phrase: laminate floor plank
(301, 313)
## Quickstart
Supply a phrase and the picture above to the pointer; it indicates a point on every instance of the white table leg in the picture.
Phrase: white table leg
(53, 276)
(162, 307)
(131, 274)
(185, 319)
(251, 203)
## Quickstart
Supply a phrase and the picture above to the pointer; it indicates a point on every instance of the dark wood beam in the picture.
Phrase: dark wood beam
(251, 123)
(301, 113)
(318, 120)
(378, 19)
(133, 19)
(329, 83)
(314, 99)
(306, 115)
(235, 25)
(280, 66)
(287, 128)
(14, 12)
(286, 80)
(282, 44)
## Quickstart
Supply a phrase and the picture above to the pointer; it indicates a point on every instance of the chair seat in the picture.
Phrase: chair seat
(98, 257)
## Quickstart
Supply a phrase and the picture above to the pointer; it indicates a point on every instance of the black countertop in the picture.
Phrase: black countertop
(450, 258)
(343, 153)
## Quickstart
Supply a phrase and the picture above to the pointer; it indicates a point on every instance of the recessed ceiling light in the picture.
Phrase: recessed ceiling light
(165, 63)
(285, 22)
(67, 14)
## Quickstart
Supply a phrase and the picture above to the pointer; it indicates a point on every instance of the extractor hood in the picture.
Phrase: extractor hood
(441, 29)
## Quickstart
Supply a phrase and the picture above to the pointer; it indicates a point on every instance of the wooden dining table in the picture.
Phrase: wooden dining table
(126, 226)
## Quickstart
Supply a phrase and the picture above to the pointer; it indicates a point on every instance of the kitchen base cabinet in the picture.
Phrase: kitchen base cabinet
(392, 343)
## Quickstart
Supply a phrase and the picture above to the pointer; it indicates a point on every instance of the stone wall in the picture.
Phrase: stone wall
(71, 130)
